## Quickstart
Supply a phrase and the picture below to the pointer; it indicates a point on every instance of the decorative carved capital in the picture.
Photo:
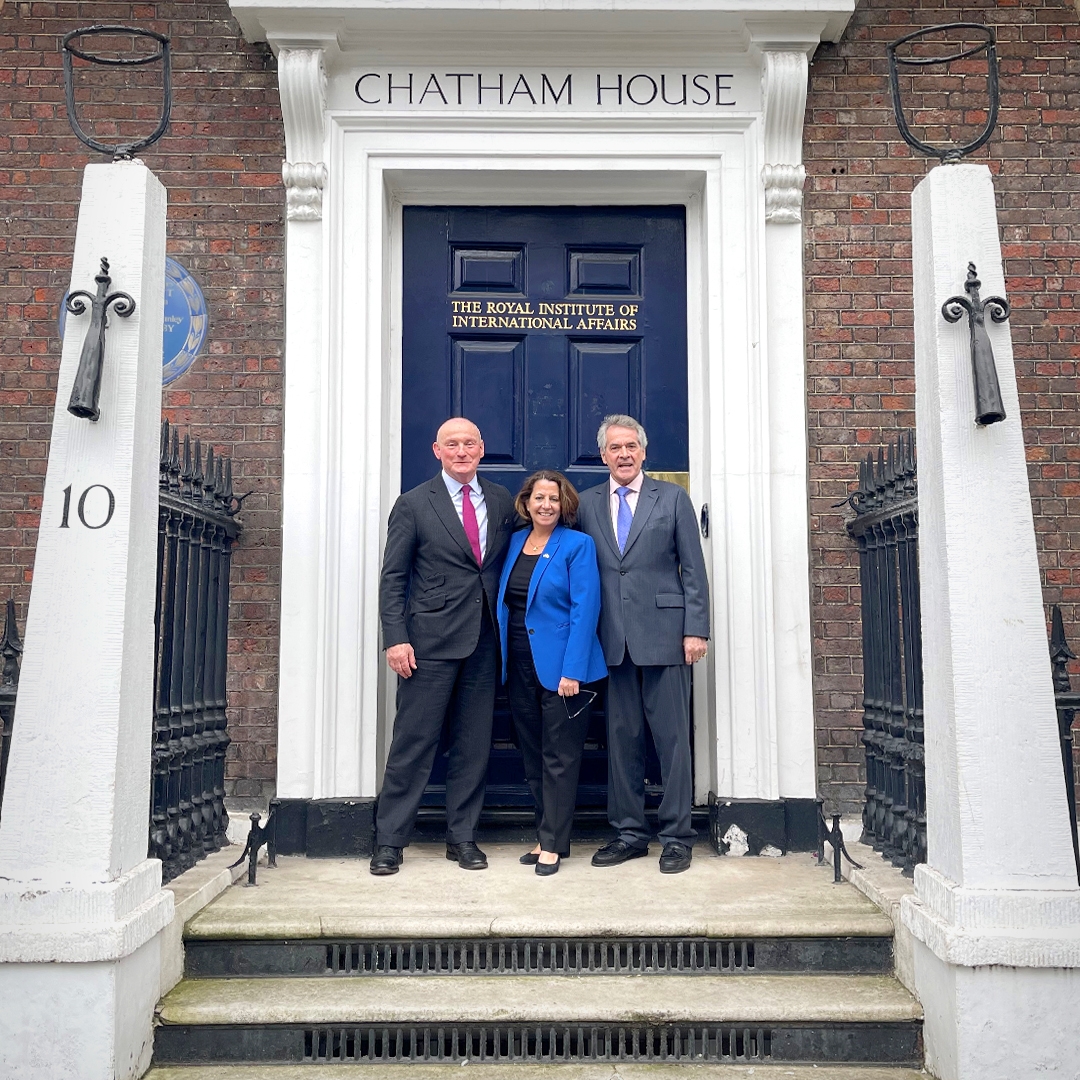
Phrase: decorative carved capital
(783, 81)
(304, 183)
(302, 85)
(783, 192)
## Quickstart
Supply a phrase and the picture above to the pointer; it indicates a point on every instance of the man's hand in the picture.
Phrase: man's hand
(694, 648)
(402, 659)
(569, 687)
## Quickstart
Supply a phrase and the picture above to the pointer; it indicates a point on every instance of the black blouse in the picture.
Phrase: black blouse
(517, 587)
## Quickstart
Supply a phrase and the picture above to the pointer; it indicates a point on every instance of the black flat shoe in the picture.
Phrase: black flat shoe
(547, 869)
(467, 855)
(618, 851)
(676, 858)
(530, 858)
(386, 860)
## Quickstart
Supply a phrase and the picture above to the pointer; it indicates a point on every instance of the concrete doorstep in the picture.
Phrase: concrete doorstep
(432, 898)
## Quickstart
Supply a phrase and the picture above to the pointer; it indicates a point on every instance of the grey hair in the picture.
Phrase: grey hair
(620, 420)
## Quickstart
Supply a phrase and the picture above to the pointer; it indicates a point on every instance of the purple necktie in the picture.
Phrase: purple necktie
(468, 519)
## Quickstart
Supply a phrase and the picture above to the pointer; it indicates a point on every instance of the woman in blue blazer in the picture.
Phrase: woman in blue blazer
(549, 605)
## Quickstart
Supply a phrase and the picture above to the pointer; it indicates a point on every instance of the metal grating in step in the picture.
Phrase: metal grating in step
(535, 956)
(657, 956)
(535, 1043)
(898, 1043)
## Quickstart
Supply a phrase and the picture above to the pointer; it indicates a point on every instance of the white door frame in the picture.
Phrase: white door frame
(342, 442)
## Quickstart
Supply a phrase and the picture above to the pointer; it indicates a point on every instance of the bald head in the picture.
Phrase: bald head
(458, 425)
(459, 447)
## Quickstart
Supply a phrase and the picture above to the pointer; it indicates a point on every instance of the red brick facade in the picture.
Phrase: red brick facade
(859, 318)
(221, 163)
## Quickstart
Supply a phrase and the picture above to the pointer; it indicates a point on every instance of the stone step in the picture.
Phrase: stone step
(621, 1071)
(718, 898)
(426, 957)
(768, 1018)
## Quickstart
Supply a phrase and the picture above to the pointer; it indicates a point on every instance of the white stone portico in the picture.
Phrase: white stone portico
(528, 102)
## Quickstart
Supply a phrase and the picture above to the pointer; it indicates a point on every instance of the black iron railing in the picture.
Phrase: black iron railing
(886, 528)
(196, 531)
(1068, 703)
(10, 651)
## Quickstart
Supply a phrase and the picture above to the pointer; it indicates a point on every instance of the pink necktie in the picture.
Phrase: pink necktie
(468, 519)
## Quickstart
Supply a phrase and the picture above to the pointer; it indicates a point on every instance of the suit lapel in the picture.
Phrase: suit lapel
(544, 562)
(646, 502)
(603, 493)
(443, 505)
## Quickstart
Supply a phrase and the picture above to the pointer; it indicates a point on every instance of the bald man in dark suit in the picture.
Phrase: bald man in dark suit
(445, 545)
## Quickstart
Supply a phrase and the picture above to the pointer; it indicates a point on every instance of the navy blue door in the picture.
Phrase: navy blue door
(536, 323)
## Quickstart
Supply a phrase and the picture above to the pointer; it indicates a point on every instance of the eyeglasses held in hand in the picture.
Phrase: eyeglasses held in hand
(592, 696)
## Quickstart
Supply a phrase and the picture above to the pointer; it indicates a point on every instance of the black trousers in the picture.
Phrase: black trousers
(661, 697)
(551, 743)
(458, 692)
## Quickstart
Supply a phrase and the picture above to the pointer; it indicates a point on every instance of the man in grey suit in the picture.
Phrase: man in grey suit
(654, 624)
(445, 545)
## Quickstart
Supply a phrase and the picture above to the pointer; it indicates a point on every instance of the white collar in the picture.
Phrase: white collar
(454, 486)
(634, 485)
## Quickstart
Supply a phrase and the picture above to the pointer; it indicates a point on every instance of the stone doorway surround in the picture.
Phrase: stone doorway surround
(735, 163)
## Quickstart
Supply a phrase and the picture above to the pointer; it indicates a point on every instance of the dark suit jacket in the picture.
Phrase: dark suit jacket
(431, 591)
(656, 592)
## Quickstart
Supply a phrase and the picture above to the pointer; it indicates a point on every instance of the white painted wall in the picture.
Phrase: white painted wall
(80, 903)
(996, 910)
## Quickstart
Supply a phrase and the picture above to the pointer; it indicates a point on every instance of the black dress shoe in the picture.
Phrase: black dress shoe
(546, 869)
(386, 860)
(618, 851)
(676, 858)
(530, 858)
(467, 855)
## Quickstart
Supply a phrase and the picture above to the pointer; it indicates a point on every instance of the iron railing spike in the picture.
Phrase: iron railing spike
(208, 477)
(1059, 646)
(11, 646)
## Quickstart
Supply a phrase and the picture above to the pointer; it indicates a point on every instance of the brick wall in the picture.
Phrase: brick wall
(221, 163)
(859, 317)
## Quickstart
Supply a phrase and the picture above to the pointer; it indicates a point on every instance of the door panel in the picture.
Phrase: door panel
(536, 323)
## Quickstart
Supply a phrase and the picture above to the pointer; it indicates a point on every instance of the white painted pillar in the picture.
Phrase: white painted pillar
(765, 741)
(996, 911)
(301, 700)
(80, 903)
(784, 89)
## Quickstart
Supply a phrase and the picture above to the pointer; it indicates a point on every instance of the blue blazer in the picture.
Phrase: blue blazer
(563, 608)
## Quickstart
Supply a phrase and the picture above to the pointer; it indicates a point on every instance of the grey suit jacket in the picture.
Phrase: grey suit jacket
(656, 592)
(431, 591)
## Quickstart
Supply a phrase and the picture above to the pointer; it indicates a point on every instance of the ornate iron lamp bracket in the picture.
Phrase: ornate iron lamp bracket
(87, 386)
(989, 46)
(989, 408)
(121, 151)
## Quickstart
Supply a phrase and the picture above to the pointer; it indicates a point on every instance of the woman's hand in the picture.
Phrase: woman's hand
(569, 687)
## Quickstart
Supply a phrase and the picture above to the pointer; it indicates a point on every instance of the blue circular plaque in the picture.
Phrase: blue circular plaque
(186, 322)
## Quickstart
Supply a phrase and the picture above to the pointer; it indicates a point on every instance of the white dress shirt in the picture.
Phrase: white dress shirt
(479, 505)
(631, 498)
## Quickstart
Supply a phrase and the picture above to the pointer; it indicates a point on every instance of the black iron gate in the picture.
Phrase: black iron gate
(196, 531)
(886, 528)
